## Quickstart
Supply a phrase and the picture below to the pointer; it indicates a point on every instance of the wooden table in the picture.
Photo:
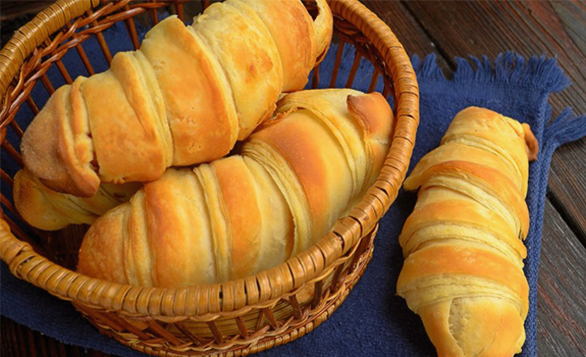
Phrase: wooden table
(457, 28)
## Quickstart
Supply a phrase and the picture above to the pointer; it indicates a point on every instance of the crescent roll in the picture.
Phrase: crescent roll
(463, 243)
(185, 97)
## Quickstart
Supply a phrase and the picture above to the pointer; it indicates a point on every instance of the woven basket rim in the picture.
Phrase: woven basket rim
(347, 231)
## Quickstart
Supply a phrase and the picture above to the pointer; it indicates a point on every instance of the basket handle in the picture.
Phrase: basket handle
(10, 246)
(31, 35)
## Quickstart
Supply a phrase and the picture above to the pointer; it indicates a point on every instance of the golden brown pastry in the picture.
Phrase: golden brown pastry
(238, 215)
(46, 209)
(463, 270)
(185, 97)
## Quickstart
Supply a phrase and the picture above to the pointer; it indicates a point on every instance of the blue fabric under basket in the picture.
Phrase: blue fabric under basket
(373, 321)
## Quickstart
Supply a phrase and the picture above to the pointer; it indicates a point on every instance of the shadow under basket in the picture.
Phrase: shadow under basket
(74, 37)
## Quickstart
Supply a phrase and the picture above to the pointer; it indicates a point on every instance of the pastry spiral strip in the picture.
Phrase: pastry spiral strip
(463, 270)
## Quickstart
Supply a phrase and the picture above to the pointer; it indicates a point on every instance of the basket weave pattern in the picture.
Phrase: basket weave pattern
(233, 318)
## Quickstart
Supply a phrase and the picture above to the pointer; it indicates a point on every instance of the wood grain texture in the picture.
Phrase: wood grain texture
(407, 29)
(491, 27)
(462, 28)
(561, 314)
(567, 183)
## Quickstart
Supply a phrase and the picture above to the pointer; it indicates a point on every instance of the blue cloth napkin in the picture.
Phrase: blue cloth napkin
(373, 320)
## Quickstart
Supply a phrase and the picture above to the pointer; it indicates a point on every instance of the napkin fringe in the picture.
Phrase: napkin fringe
(536, 72)
(565, 128)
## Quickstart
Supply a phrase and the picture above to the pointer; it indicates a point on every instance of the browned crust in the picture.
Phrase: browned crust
(104, 258)
(491, 180)
(294, 140)
(251, 61)
(198, 101)
(445, 260)
(242, 213)
(296, 44)
(129, 148)
(531, 142)
(374, 113)
(464, 213)
(46, 157)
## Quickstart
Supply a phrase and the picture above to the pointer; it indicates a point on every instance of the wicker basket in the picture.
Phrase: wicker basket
(233, 318)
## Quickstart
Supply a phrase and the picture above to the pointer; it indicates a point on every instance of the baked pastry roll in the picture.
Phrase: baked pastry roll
(183, 98)
(463, 243)
(245, 213)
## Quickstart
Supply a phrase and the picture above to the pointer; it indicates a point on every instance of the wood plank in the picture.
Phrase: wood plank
(571, 201)
(19, 341)
(561, 320)
(491, 27)
(530, 28)
(406, 28)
